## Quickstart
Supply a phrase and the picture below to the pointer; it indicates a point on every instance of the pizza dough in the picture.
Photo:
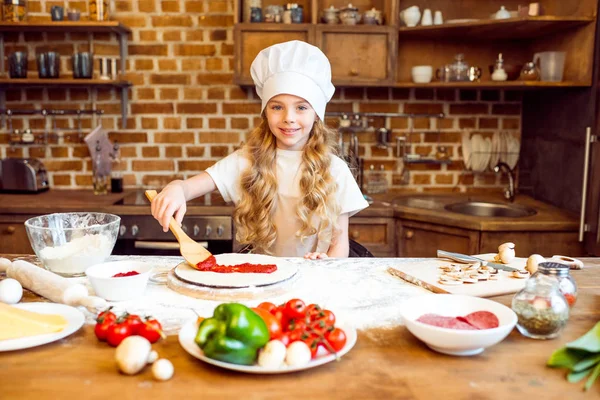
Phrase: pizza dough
(285, 271)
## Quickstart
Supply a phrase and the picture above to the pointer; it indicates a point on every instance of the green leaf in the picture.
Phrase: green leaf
(575, 377)
(588, 342)
(565, 358)
(592, 378)
(586, 363)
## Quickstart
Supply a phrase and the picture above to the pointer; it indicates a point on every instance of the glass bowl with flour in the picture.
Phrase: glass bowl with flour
(69, 243)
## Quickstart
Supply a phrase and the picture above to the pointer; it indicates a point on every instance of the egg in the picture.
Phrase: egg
(11, 291)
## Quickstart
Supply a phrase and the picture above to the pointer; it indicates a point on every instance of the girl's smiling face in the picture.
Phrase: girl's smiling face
(291, 119)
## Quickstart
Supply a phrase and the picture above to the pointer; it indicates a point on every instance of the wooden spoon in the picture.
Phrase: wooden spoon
(193, 252)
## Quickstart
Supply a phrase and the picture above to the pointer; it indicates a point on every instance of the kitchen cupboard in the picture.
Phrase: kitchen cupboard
(420, 239)
(13, 238)
(378, 235)
(383, 55)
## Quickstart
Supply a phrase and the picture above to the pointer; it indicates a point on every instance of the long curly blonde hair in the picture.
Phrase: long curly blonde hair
(254, 213)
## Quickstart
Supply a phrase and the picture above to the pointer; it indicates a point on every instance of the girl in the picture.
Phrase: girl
(292, 195)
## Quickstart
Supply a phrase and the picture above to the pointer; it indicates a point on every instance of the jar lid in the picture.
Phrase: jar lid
(16, 2)
(553, 268)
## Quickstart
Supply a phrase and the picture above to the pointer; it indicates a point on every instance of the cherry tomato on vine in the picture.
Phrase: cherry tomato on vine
(151, 330)
(295, 308)
(117, 333)
(270, 307)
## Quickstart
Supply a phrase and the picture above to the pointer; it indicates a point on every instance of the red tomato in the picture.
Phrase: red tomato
(135, 322)
(151, 330)
(106, 316)
(313, 344)
(270, 307)
(327, 317)
(281, 317)
(312, 310)
(336, 338)
(117, 333)
(101, 328)
(296, 325)
(295, 308)
(273, 325)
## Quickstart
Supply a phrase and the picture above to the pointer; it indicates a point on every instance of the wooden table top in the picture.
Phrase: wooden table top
(384, 364)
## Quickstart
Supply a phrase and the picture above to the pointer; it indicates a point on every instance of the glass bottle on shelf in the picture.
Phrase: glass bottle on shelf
(116, 173)
(100, 175)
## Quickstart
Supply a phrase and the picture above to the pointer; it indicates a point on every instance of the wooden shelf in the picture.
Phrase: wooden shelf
(269, 26)
(489, 85)
(64, 82)
(511, 28)
(65, 26)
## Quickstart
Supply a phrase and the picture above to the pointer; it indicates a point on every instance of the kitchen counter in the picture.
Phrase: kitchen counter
(386, 363)
(425, 208)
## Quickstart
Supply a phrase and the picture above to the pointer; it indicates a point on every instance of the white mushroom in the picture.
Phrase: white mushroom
(506, 253)
(297, 354)
(272, 355)
(133, 354)
(533, 261)
(507, 245)
(163, 370)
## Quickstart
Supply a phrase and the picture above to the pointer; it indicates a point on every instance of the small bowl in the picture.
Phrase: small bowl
(454, 341)
(512, 71)
(121, 288)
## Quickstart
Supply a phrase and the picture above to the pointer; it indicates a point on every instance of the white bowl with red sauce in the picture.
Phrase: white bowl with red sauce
(457, 342)
(119, 280)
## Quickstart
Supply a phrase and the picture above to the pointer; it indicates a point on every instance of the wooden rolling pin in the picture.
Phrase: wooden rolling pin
(50, 285)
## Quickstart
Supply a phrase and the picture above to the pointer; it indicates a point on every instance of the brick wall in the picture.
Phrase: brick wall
(185, 113)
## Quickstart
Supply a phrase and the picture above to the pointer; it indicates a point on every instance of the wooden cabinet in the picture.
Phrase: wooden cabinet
(372, 55)
(376, 234)
(358, 56)
(420, 239)
(250, 39)
(13, 239)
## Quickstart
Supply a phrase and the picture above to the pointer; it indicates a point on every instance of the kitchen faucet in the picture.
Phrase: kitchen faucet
(509, 193)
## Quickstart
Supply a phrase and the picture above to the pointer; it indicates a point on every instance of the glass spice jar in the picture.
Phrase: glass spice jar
(99, 10)
(541, 308)
(566, 283)
(14, 10)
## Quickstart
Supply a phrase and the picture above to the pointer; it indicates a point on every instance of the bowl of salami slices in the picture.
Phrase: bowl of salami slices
(457, 325)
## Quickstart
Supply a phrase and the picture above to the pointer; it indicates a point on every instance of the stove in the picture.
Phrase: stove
(142, 234)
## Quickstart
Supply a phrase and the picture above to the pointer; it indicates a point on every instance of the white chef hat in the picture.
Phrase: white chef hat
(296, 68)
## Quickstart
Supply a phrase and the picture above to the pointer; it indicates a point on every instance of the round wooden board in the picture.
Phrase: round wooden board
(232, 294)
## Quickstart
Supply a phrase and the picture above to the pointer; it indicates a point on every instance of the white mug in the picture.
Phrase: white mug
(427, 18)
(422, 73)
(437, 18)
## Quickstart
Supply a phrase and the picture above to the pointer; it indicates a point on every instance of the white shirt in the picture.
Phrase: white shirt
(226, 174)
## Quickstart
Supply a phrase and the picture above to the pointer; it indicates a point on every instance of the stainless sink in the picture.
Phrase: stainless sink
(484, 209)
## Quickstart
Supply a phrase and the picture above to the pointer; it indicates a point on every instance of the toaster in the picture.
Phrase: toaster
(23, 175)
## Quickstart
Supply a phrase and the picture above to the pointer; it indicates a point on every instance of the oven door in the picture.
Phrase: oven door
(134, 247)
(142, 235)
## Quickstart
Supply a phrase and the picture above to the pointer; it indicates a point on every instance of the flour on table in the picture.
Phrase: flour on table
(359, 291)
(78, 254)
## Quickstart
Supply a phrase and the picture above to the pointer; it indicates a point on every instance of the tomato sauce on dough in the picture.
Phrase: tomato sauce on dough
(210, 265)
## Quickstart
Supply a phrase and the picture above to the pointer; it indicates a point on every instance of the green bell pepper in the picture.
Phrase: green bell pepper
(233, 334)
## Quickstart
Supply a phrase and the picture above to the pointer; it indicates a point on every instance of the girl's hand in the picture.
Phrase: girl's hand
(171, 200)
(315, 256)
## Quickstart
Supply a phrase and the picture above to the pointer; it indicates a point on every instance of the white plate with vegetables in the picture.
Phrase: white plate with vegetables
(188, 332)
